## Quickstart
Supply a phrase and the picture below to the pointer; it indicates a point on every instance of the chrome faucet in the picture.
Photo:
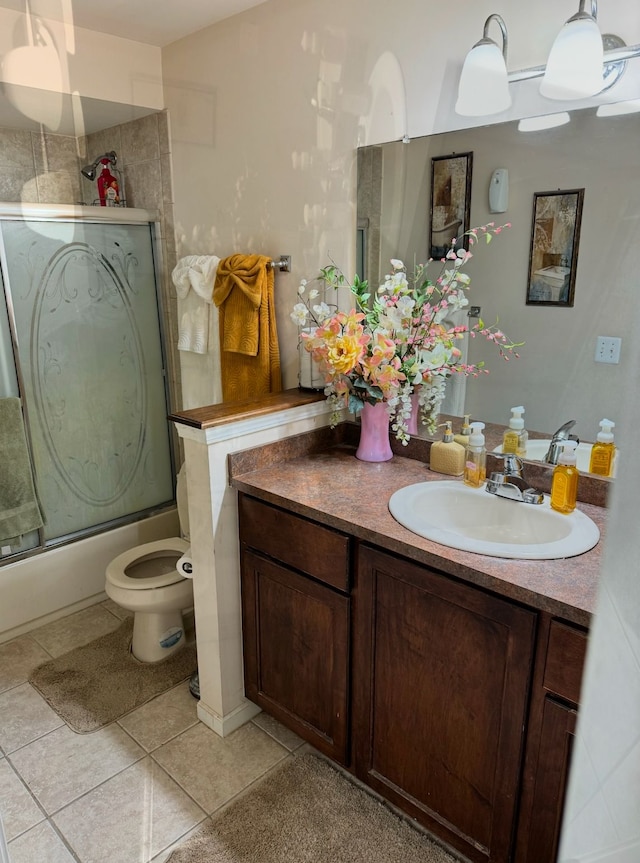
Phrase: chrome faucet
(510, 482)
(558, 436)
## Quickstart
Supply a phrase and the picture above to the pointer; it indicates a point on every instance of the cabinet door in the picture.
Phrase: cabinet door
(556, 741)
(439, 717)
(296, 636)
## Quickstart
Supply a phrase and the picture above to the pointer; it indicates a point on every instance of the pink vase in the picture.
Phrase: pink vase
(374, 433)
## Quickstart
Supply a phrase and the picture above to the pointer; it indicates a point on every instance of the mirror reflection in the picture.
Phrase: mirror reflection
(557, 377)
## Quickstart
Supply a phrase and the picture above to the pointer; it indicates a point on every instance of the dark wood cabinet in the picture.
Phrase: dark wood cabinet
(553, 714)
(454, 704)
(296, 627)
(439, 716)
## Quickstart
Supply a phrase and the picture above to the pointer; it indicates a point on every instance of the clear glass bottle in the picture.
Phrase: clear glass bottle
(475, 467)
(564, 485)
(515, 437)
(603, 451)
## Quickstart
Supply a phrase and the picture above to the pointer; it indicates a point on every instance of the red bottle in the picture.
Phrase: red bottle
(108, 188)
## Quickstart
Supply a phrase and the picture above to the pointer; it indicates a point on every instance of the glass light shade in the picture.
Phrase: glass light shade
(484, 86)
(574, 67)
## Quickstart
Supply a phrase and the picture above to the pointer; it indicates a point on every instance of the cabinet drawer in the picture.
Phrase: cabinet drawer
(310, 548)
(565, 660)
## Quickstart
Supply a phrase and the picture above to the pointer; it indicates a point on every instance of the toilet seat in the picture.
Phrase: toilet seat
(116, 572)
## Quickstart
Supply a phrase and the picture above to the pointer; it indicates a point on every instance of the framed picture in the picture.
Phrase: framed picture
(555, 232)
(450, 202)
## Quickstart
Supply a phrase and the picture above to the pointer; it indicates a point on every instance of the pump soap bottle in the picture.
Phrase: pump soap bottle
(564, 484)
(603, 451)
(446, 456)
(465, 430)
(516, 436)
(475, 468)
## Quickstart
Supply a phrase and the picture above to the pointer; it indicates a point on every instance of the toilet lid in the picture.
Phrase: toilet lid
(148, 566)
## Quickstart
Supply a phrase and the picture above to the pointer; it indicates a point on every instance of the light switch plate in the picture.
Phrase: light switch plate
(608, 349)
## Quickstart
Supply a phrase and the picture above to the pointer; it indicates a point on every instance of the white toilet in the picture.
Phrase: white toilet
(145, 580)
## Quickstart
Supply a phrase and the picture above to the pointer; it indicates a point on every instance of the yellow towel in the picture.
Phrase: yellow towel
(250, 357)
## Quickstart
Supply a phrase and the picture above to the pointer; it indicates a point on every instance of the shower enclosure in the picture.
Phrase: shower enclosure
(81, 345)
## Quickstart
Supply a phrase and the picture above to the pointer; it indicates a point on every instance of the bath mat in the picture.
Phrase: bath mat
(93, 685)
(308, 812)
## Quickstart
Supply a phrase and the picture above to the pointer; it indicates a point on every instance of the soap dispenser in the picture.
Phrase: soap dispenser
(463, 437)
(475, 467)
(564, 484)
(516, 436)
(603, 451)
(446, 456)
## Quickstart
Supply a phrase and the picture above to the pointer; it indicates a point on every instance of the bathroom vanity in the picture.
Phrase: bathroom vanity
(446, 681)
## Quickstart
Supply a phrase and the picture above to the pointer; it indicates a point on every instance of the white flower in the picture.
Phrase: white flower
(299, 314)
(396, 264)
(303, 285)
(322, 311)
(457, 300)
(313, 293)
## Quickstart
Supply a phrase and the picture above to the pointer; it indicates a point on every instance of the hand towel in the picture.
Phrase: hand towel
(19, 507)
(194, 277)
(240, 285)
(250, 358)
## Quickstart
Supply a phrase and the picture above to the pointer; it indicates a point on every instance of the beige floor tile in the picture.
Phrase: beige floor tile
(40, 845)
(164, 855)
(18, 658)
(24, 716)
(63, 765)
(213, 769)
(19, 810)
(77, 629)
(163, 718)
(129, 819)
(115, 609)
(288, 739)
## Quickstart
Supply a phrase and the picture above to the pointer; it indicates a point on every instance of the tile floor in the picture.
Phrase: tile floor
(128, 793)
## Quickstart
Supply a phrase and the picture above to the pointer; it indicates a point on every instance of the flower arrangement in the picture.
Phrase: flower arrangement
(397, 342)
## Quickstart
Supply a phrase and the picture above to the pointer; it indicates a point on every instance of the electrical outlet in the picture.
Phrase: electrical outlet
(608, 349)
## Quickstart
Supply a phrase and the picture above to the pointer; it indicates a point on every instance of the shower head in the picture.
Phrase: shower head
(90, 171)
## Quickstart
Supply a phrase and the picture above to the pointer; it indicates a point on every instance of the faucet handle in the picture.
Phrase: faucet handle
(513, 464)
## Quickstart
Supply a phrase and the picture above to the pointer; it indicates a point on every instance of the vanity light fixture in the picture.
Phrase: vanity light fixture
(484, 85)
(582, 63)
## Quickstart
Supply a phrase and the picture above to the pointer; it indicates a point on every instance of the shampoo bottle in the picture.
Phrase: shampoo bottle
(465, 431)
(516, 436)
(564, 485)
(446, 456)
(603, 451)
(475, 467)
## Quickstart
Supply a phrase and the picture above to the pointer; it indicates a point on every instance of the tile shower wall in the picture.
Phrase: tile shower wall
(45, 168)
(38, 168)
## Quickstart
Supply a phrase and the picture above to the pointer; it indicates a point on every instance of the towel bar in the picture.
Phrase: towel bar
(284, 264)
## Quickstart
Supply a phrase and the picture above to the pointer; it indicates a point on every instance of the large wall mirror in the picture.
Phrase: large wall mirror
(556, 377)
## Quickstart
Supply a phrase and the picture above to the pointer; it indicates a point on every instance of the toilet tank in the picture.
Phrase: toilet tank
(182, 501)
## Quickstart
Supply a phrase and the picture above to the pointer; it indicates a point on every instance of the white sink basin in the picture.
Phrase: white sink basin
(470, 519)
(537, 450)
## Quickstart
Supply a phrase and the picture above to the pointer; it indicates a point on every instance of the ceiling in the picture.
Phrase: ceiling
(155, 22)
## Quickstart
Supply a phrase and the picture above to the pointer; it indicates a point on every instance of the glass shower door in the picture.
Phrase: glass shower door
(89, 347)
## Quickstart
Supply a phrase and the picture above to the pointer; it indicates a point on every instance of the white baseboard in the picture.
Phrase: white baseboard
(225, 725)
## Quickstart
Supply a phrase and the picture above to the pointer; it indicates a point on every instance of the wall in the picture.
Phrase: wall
(93, 65)
(267, 110)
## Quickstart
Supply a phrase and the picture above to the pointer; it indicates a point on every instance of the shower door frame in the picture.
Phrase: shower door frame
(96, 215)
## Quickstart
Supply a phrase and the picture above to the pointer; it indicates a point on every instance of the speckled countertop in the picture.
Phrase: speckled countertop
(328, 484)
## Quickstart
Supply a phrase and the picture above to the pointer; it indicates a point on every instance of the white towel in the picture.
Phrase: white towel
(194, 278)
